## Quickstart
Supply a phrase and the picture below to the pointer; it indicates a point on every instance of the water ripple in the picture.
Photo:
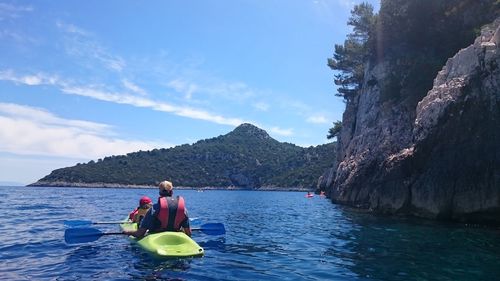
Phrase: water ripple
(270, 236)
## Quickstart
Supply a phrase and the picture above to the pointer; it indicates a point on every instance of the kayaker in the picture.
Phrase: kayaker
(168, 214)
(138, 214)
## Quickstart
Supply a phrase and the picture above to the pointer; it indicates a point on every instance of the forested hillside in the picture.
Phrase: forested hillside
(247, 157)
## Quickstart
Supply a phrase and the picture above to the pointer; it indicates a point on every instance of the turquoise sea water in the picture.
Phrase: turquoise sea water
(270, 236)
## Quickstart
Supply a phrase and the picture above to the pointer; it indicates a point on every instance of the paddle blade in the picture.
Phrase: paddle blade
(74, 223)
(212, 228)
(81, 235)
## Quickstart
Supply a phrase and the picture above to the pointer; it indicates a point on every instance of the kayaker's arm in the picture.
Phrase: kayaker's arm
(139, 233)
(187, 230)
(146, 223)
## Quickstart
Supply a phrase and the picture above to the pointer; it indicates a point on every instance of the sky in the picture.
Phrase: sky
(82, 80)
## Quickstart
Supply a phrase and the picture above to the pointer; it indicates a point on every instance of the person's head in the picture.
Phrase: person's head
(145, 202)
(166, 188)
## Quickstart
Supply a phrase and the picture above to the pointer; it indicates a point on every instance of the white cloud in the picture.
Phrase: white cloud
(238, 91)
(70, 28)
(317, 119)
(211, 87)
(349, 4)
(295, 105)
(42, 116)
(281, 132)
(16, 37)
(159, 106)
(31, 80)
(261, 106)
(29, 169)
(96, 93)
(184, 87)
(346, 3)
(34, 131)
(80, 44)
(133, 87)
(12, 11)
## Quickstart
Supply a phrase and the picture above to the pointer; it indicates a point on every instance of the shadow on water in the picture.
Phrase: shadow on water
(389, 248)
(218, 244)
(147, 267)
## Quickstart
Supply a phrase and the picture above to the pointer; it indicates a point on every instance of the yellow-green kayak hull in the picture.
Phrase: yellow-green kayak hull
(167, 244)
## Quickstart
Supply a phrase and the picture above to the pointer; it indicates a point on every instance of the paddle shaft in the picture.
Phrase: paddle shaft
(75, 223)
(113, 233)
(111, 222)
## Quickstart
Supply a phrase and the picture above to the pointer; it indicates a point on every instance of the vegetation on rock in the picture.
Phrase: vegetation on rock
(413, 37)
(247, 157)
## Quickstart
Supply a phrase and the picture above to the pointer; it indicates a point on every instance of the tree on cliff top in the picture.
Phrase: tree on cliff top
(416, 37)
(349, 58)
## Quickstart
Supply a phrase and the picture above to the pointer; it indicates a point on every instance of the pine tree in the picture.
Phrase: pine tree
(349, 58)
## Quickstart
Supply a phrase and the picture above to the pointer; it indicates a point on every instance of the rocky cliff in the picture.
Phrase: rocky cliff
(438, 159)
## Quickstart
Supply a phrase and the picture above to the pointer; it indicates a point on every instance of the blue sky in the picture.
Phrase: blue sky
(81, 80)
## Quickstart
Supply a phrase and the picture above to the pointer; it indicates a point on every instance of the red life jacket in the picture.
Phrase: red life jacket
(171, 213)
(132, 214)
(138, 214)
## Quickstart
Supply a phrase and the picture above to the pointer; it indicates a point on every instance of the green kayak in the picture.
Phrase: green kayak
(166, 244)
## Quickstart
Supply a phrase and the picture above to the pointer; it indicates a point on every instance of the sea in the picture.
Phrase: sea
(270, 235)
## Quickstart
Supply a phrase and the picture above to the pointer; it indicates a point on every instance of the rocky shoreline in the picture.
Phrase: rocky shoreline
(134, 186)
(438, 159)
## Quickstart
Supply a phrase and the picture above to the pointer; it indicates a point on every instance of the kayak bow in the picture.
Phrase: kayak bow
(166, 244)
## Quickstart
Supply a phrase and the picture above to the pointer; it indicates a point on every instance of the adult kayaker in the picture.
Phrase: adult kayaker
(138, 214)
(168, 214)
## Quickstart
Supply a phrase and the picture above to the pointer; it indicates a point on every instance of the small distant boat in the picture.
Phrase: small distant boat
(309, 195)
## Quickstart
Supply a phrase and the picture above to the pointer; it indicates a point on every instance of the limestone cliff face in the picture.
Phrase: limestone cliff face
(439, 159)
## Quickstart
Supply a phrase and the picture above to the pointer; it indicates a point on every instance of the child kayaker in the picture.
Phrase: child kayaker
(138, 214)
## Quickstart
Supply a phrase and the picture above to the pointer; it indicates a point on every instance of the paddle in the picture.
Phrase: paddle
(83, 235)
(211, 228)
(75, 223)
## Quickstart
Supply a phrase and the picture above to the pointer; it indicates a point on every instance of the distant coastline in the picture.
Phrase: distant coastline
(11, 183)
(134, 186)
